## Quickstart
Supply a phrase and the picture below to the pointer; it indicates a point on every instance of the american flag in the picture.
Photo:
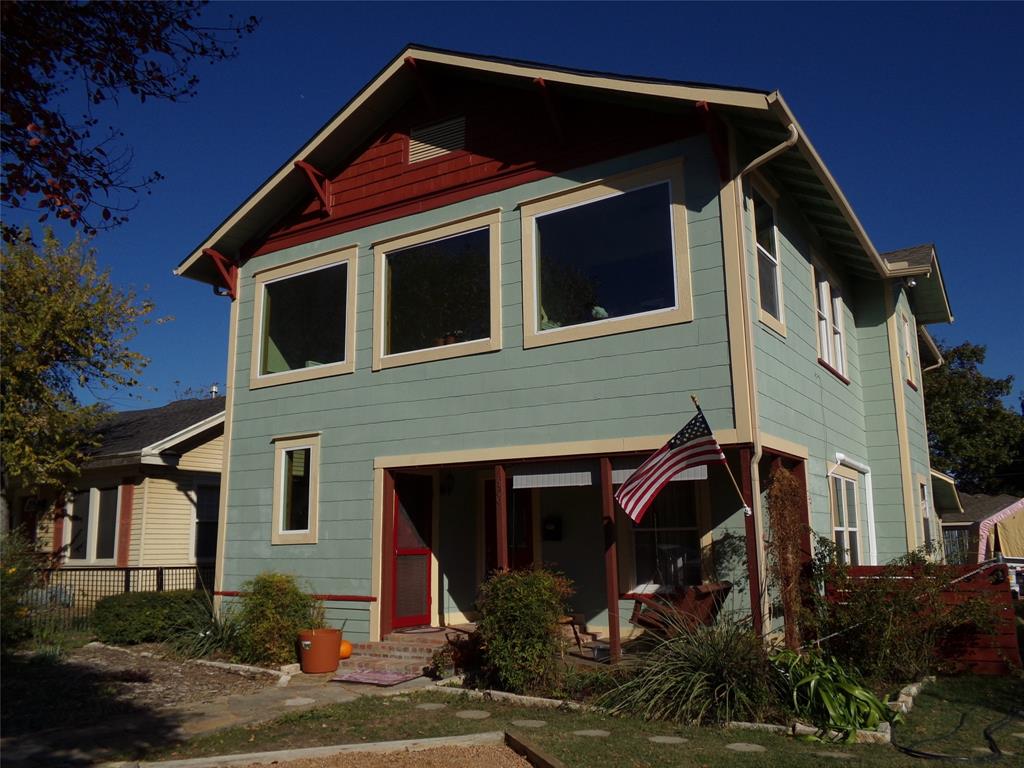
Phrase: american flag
(692, 446)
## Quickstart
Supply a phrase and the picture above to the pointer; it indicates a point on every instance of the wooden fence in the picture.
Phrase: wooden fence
(990, 652)
(67, 596)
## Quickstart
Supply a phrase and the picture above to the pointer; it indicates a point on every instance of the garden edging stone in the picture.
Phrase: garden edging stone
(515, 698)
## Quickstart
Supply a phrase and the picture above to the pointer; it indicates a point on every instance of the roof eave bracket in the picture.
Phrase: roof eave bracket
(421, 83)
(317, 180)
(228, 272)
(549, 106)
(715, 129)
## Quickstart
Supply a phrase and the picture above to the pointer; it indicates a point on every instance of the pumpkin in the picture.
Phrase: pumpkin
(345, 650)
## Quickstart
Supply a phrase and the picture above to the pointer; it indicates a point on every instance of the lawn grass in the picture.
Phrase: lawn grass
(370, 719)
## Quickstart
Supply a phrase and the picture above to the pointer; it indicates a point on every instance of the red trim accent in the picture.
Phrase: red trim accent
(413, 66)
(228, 271)
(715, 130)
(611, 559)
(327, 598)
(549, 105)
(912, 385)
(124, 529)
(501, 518)
(387, 569)
(59, 513)
(318, 181)
(833, 371)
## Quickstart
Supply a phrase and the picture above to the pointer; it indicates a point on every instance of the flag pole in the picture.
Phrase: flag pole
(746, 510)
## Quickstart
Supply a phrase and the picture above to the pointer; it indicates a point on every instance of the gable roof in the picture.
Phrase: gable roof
(136, 434)
(761, 117)
(978, 507)
(921, 263)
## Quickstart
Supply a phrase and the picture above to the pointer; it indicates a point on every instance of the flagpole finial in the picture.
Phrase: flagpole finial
(695, 403)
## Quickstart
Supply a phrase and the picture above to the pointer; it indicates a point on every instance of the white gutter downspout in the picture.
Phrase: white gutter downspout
(869, 501)
(755, 459)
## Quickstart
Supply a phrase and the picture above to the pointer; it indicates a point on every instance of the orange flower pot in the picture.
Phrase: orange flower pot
(318, 650)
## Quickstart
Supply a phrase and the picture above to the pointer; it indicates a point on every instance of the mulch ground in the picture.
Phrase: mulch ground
(439, 757)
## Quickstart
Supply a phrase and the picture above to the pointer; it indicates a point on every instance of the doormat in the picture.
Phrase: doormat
(379, 677)
(419, 631)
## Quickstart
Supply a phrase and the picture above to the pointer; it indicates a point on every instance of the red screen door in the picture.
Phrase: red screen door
(414, 495)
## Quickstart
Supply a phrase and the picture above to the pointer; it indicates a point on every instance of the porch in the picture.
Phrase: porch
(445, 526)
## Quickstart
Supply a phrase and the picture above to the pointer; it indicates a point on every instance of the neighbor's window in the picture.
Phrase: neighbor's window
(956, 544)
(829, 307)
(769, 277)
(296, 492)
(439, 293)
(606, 258)
(666, 544)
(93, 531)
(843, 500)
(304, 317)
(207, 513)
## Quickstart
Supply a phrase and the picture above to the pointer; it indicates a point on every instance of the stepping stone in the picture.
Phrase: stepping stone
(473, 714)
(1019, 735)
(399, 698)
(299, 701)
(667, 739)
(431, 706)
(836, 755)
(529, 723)
(742, 746)
(596, 733)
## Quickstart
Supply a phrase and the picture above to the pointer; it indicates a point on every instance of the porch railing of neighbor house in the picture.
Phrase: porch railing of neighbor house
(67, 596)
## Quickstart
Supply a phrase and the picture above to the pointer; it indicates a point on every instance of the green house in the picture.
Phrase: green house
(485, 291)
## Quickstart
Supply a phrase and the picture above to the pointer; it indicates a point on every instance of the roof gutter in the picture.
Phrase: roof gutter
(791, 140)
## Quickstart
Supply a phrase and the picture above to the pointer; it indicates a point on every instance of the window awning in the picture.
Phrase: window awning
(944, 495)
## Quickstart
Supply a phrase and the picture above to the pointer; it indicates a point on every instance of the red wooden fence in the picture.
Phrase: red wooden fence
(990, 652)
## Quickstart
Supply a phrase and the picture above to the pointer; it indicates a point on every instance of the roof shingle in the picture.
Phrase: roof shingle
(131, 431)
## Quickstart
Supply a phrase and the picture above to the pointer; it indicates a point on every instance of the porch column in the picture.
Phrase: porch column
(611, 559)
(750, 529)
(501, 519)
(386, 605)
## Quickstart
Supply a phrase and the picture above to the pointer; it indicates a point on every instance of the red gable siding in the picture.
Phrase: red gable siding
(511, 138)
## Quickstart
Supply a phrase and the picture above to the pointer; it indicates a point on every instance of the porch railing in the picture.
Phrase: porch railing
(67, 596)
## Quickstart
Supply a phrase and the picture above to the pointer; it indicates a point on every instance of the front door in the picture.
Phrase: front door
(414, 497)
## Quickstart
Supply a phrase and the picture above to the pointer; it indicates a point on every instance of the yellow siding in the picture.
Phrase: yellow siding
(207, 456)
(138, 510)
(170, 516)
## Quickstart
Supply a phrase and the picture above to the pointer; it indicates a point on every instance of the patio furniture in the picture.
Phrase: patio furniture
(692, 606)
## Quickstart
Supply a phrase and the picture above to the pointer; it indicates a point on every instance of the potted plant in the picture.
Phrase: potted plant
(318, 644)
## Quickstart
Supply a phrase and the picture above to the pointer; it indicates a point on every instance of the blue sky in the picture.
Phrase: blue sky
(916, 109)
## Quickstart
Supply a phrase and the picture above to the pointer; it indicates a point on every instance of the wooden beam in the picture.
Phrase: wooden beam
(501, 519)
(228, 271)
(716, 132)
(549, 105)
(317, 180)
(750, 529)
(387, 561)
(611, 560)
(421, 82)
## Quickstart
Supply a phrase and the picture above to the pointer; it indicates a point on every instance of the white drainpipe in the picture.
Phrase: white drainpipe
(869, 501)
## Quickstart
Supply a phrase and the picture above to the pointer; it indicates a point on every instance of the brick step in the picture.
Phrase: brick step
(433, 639)
(380, 665)
(393, 648)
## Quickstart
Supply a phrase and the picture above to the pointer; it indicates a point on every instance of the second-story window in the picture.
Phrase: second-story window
(829, 309)
(769, 273)
(438, 293)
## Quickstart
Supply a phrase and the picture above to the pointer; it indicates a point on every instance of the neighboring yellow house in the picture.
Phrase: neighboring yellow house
(149, 495)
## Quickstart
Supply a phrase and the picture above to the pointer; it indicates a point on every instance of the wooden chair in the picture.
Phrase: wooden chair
(692, 607)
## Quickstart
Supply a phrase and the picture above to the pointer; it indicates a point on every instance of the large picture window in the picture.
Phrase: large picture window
(304, 318)
(438, 293)
(606, 258)
(296, 490)
(92, 536)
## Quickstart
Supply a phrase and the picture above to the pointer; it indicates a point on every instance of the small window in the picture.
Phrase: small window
(667, 543)
(843, 501)
(92, 534)
(606, 258)
(769, 273)
(304, 320)
(829, 308)
(438, 293)
(207, 513)
(296, 491)
(908, 352)
(956, 544)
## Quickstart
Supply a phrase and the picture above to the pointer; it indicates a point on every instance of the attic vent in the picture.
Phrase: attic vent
(431, 141)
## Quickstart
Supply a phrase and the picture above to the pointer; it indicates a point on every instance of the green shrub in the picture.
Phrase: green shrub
(823, 693)
(19, 564)
(519, 628)
(200, 633)
(271, 613)
(139, 617)
(701, 674)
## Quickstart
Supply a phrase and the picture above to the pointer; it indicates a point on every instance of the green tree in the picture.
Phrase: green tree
(971, 434)
(64, 327)
(68, 165)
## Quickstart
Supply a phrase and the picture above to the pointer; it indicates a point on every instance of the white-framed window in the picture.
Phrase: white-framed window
(606, 257)
(296, 489)
(928, 527)
(91, 537)
(843, 502)
(908, 350)
(304, 319)
(438, 293)
(769, 263)
(828, 302)
(204, 541)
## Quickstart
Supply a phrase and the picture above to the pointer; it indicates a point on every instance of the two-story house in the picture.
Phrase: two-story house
(484, 292)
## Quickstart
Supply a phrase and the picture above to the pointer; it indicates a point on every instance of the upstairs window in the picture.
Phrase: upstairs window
(769, 273)
(829, 308)
(843, 501)
(438, 293)
(304, 320)
(606, 258)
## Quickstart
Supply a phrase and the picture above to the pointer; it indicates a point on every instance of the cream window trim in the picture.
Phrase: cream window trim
(829, 320)
(931, 528)
(348, 256)
(282, 446)
(92, 531)
(767, 193)
(491, 220)
(908, 350)
(669, 171)
(849, 482)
